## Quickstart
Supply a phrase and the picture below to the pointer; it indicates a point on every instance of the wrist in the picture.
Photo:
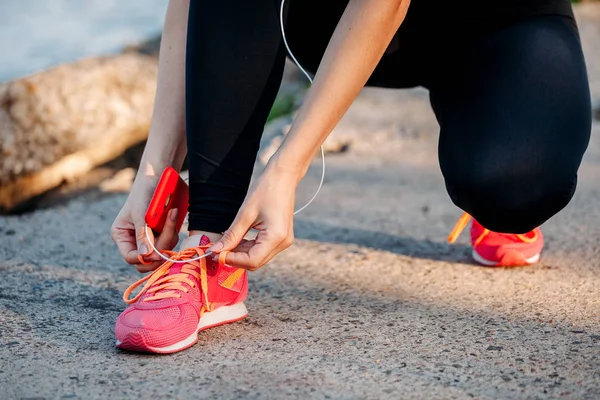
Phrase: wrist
(151, 168)
(144, 184)
(162, 151)
(287, 167)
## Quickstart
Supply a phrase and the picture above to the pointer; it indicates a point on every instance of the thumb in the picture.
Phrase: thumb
(234, 235)
(143, 235)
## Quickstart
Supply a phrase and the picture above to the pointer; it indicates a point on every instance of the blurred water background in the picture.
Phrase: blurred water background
(38, 34)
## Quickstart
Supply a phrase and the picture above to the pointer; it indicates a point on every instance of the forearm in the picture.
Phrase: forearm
(166, 144)
(358, 43)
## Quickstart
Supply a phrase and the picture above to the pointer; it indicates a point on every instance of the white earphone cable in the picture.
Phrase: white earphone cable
(293, 57)
(161, 255)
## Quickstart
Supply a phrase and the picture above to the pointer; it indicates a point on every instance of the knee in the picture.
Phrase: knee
(511, 202)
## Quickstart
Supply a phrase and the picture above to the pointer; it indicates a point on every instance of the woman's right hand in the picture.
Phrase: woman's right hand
(128, 229)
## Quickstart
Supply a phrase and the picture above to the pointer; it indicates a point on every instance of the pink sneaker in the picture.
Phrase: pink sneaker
(500, 249)
(179, 300)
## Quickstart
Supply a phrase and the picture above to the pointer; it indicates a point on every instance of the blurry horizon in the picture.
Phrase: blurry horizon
(39, 34)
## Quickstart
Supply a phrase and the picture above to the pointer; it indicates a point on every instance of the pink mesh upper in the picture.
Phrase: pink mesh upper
(161, 323)
(495, 245)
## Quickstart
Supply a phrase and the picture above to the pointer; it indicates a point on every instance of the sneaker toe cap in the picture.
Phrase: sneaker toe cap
(155, 328)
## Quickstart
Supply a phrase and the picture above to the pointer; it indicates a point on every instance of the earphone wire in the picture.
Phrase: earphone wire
(161, 255)
(293, 57)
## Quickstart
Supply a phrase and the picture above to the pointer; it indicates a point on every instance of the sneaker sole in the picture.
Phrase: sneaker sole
(506, 261)
(221, 316)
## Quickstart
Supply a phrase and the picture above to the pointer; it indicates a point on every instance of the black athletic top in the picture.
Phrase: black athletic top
(428, 19)
(493, 9)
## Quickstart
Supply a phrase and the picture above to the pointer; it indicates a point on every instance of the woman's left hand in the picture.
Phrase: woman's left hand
(269, 209)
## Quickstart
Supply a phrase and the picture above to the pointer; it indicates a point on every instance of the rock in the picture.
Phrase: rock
(120, 182)
(273, 135)
(266, 154)
(57, 125)
(149, 47)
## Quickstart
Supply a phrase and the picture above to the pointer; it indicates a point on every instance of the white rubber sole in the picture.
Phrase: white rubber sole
(221, 316)
(478, 258)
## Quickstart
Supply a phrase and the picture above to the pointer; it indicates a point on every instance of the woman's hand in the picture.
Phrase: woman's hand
(269, 209)
(128, 229)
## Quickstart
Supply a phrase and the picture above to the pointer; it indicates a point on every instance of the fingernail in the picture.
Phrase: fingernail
(217, 247)
(174, 213)
(144, 249)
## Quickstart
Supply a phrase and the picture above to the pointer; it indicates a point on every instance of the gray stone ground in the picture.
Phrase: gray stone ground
(370, 302)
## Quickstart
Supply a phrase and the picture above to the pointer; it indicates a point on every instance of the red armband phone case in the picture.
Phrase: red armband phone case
(171, 192)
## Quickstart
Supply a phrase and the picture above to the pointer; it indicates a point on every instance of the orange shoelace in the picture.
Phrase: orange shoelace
(165, 285)
(462, 222)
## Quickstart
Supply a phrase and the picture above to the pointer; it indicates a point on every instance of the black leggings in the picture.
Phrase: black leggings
(511, 97)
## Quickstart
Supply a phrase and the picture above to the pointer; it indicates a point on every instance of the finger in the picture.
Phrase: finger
(165, 239)
(267, 260)
(273, 254)
(145, 242)
(243, 247)
(143, 235)
(149, 263)
(265, 246)
(126, 244)
(236, 232)
(287, 242)
(252, 259)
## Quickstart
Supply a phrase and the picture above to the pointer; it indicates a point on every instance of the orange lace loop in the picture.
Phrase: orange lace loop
(464, 220)
(166, 286)
(459, 227)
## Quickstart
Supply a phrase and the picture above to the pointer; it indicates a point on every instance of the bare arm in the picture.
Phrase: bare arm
(166, 142)
(360, 39)
(358, 43)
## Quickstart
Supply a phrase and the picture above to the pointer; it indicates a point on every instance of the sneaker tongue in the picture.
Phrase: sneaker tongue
(176, 268)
